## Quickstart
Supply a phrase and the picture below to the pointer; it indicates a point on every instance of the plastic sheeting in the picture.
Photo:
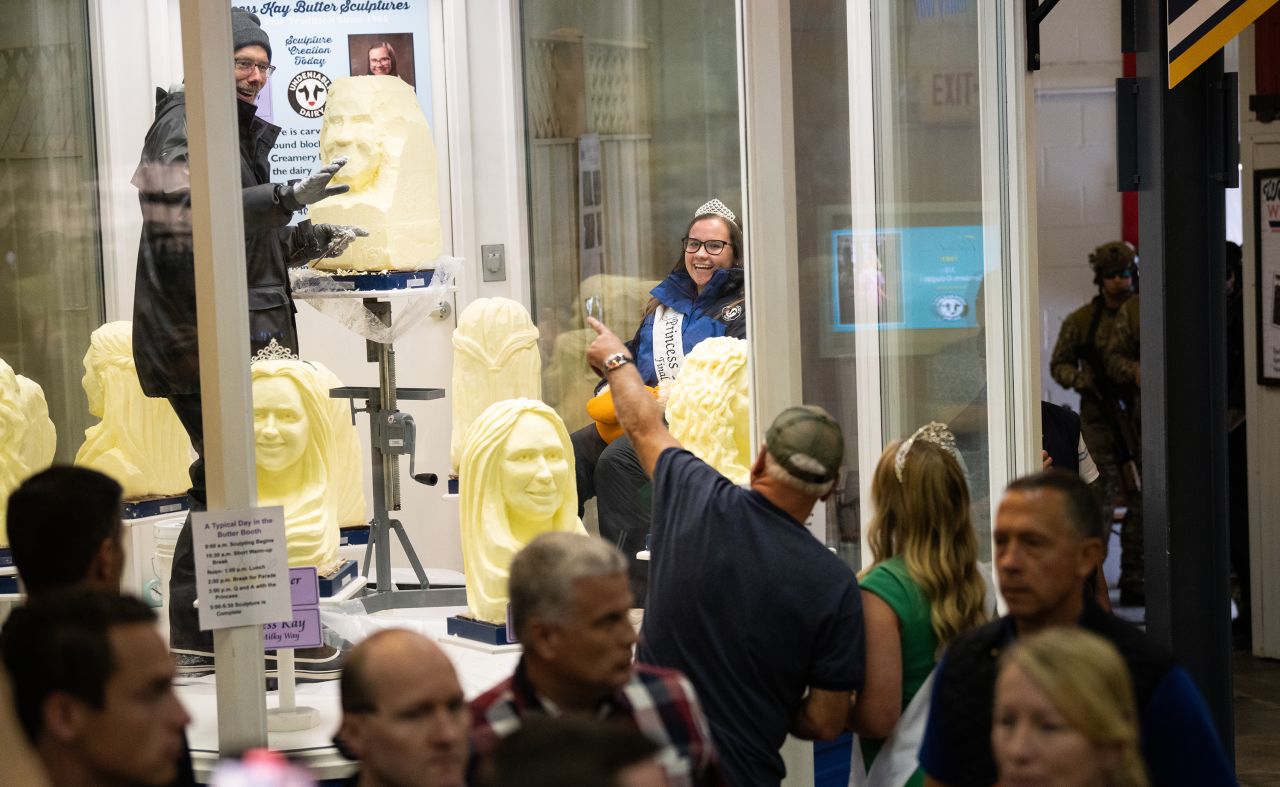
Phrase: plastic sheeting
(341, 298)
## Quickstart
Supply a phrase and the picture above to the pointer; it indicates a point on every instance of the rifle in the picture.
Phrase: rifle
(1128, 447)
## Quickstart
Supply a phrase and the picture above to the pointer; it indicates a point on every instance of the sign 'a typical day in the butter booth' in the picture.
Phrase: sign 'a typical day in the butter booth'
(316, 42)
(242, 567)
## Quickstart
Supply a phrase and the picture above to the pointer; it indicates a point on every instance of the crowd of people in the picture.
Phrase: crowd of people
(753, 630)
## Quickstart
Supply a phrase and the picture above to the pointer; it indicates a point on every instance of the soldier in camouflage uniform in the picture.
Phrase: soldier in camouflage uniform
(1125, 371)
(1078, 363)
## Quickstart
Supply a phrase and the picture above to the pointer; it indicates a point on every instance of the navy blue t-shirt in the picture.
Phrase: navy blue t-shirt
(748, 605)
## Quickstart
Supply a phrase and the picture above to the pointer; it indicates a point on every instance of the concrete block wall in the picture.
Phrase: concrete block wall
(1078, 205)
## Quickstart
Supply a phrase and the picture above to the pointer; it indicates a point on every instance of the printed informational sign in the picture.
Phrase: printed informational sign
(313, 44)
(1266, 200)
(303, 631)
(590, 207)
(921, 277)
(242, 567)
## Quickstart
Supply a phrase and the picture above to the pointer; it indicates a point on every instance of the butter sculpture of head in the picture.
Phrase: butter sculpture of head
(708, 410)
(516, 481)
(27, 436)
(495, 357)
(377, 124)
(307, 462)
(139, 441)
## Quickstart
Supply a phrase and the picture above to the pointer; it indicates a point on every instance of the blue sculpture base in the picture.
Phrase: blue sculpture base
(481, 631)
(357, 535)
(6, 557)
(154, 506)
(333, 584)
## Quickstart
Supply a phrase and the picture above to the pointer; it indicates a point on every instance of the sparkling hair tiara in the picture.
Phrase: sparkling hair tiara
(274, 351)
(716, 208)
(932, 432)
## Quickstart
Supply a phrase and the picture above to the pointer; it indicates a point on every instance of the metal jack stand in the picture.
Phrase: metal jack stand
(392, 433)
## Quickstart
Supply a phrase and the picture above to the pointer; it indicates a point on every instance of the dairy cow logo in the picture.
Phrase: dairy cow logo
(950, 307)
(308, 93)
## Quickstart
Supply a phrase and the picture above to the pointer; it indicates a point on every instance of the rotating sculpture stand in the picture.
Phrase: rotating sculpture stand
(392, 433)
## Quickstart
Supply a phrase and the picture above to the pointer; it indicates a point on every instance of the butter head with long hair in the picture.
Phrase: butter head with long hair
(708, 408)
(1064, 713)
(139, 441)
(516, 481)
(27, 435)
(495, 357)
(307, 456)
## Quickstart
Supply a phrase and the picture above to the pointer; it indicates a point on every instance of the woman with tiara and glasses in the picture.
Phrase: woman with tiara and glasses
(702, 298)
(922, 590)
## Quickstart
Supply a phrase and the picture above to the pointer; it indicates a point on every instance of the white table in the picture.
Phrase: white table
(477, 672)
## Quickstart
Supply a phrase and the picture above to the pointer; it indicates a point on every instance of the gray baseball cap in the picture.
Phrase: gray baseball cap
(807, 442)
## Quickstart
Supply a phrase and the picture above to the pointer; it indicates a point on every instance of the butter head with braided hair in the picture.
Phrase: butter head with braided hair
(495, 357)
(139, 441)
(708, 408)
(516, 480)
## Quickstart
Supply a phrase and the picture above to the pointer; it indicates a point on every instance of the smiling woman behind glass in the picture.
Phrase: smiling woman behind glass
(1065, 714)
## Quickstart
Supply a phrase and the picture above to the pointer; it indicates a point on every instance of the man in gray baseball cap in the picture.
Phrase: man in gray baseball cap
(763, 619)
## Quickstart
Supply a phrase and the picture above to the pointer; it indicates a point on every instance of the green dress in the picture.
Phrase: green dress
(891, 582)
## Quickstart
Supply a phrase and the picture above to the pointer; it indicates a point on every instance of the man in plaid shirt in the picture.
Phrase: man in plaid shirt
(570, 605)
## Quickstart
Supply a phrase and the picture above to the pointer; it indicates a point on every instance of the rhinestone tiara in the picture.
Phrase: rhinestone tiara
(716, 208)
(274, 352)
(932, 432)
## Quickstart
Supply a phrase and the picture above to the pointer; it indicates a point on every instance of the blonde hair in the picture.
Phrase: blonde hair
(925, 518)
(139, 441)
(496, 357)
(707, 411)
(488, 542)
(1088, 682)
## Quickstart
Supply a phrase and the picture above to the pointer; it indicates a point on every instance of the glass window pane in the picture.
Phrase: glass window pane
(892, 263)
(50, 260)
(928, 241)
(632, 123)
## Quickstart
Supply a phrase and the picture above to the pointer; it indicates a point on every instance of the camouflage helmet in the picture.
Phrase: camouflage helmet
(1110, 257)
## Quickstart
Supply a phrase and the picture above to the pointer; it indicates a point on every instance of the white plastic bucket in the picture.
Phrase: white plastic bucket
(166, 539)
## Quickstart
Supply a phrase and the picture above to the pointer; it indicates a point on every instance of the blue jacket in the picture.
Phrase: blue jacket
(719, 311)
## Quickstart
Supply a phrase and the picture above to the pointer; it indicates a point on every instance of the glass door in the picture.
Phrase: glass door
(911, 216)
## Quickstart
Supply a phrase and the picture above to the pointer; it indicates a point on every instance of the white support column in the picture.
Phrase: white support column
(768, 145)
(866, 306)
(1011, 282)
(772, 267)
(217, 226)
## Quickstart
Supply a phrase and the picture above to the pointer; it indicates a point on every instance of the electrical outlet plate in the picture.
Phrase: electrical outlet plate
(493, 262)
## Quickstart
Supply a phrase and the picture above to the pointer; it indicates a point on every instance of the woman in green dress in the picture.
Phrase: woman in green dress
(922, 590)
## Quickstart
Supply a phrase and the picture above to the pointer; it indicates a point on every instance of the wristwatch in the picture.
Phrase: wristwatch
(616, 361)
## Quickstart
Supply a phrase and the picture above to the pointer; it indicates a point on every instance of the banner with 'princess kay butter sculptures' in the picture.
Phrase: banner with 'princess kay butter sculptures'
(314, 42)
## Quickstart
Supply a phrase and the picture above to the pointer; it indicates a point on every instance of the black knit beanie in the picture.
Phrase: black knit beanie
(246, 30)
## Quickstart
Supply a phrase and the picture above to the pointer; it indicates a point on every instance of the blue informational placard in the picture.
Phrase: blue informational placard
(921, 277)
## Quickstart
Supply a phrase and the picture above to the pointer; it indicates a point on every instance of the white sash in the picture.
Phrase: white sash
(898, 757)
(668, 343)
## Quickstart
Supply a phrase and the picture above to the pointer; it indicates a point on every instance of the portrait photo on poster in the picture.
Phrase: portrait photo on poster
(1266, 273)
(382, 53)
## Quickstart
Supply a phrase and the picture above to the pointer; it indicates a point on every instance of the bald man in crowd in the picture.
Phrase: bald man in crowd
(403, 713)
